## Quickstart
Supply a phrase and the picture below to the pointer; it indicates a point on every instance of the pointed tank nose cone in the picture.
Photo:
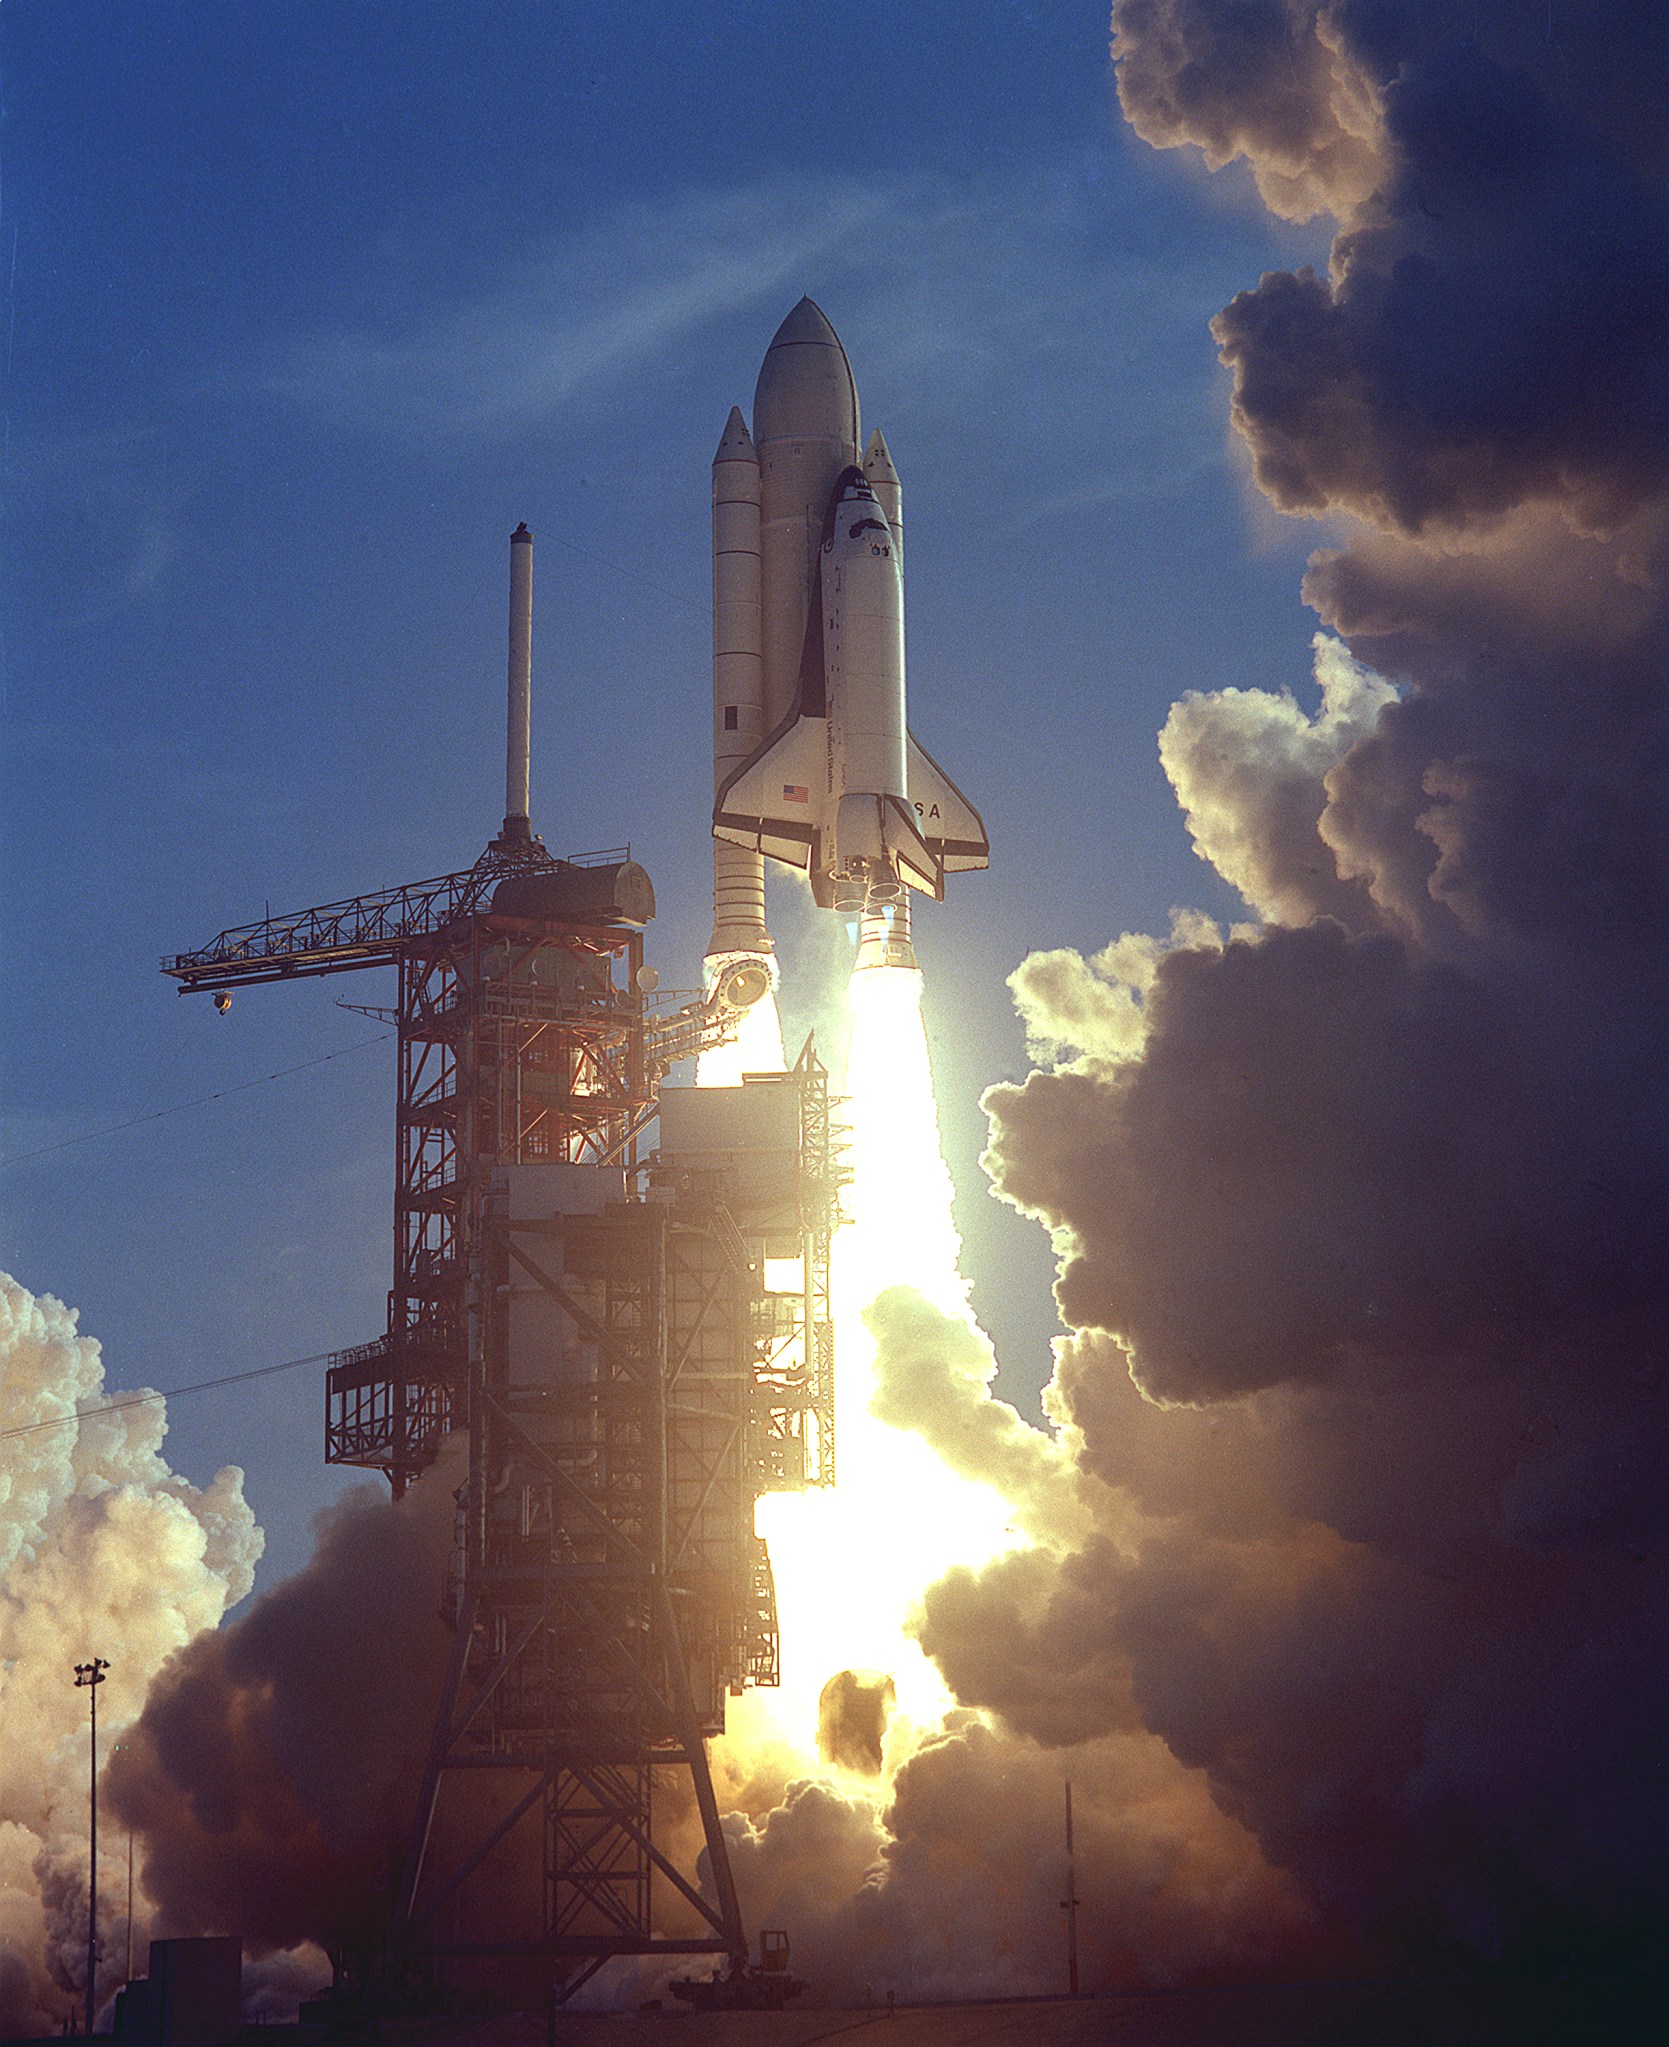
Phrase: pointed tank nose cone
(806, 323)
(734, 443)
(805, 384)
(877, 460)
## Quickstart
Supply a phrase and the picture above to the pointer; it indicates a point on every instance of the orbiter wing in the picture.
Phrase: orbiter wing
(773, 800)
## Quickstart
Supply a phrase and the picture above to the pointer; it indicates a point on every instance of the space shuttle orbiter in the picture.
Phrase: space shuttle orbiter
(814, 762)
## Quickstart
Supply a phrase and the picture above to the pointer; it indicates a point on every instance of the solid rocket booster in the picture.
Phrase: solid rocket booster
(738, 686)
(835, 785)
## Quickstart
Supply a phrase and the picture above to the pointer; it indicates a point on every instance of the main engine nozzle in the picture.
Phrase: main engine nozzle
(884, 931)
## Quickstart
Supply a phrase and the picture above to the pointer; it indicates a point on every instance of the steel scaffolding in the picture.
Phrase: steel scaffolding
(613, 1330)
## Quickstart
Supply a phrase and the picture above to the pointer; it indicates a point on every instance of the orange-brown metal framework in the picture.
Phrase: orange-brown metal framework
(609, 1587)
(516, 1043)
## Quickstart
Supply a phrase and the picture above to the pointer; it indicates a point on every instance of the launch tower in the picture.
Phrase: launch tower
(616, 1294)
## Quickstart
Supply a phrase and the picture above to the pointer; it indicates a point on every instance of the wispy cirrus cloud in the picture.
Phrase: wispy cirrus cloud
(116, 498)
(1000, 309)
(573, 321)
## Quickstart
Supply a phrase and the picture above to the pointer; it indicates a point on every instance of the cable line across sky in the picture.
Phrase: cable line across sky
(60, 1421)
(202, 1101)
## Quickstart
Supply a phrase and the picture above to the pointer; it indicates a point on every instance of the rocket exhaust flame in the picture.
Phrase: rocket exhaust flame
(851, 1563)
(756, 1047)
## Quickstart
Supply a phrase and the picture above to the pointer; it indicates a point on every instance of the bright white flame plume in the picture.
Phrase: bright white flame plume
(850, 1562)
(756, 1048)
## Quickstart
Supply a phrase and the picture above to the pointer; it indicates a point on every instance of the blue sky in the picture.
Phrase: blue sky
(307, 305)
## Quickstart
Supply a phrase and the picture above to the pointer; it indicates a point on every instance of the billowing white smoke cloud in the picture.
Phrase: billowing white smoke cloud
(103, 1552)
(1090, 1011)
(933, 1374)
(1250, 769)
(271, 1777)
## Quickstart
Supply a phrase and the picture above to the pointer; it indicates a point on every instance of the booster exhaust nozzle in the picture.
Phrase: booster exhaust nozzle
(738, 982)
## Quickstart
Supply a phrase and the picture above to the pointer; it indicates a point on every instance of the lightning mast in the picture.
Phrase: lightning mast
(594, 1320)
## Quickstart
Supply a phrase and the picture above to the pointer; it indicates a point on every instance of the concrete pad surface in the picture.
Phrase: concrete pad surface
(1554, 2013)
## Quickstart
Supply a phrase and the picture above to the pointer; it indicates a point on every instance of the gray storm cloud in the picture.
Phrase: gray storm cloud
(1362, 1212)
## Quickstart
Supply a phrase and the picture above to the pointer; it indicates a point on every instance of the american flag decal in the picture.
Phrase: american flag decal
(795, 792)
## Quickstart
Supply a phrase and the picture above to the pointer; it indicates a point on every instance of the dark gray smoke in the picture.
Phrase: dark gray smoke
(852, 1713)
(270, 1778)
(1365, 1209)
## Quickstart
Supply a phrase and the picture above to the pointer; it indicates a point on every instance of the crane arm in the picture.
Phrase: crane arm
(331, 938)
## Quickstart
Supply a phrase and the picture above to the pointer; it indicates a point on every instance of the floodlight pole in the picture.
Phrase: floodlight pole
(88, 1677)
(1069, 1904)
